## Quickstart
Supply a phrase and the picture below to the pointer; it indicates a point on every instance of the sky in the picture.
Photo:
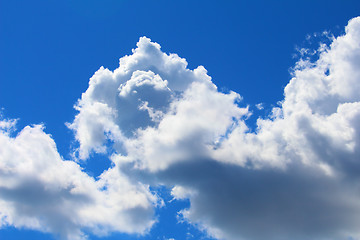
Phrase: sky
(170, 120)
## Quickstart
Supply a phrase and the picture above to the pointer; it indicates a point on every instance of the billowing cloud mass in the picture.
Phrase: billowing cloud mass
(295, 177)
(40, 190)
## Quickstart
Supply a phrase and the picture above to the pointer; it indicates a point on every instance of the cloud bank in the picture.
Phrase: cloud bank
(295, 177)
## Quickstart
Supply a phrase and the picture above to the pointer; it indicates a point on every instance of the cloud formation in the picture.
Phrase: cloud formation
(295, 177)
(40, 190)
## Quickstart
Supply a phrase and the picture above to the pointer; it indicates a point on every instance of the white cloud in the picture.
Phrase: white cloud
(296, 177)
(300, 168)
(118, 103)
(40, 190)
(181, 193)
(259, 106)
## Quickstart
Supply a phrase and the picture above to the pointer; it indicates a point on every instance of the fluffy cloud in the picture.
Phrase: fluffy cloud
(295, 177)
(40, 190)
(134, 96)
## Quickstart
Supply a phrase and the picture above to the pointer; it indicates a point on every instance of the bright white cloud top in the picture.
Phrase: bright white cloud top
(295, 177)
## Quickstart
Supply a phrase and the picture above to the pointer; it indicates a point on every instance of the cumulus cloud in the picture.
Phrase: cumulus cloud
(297, 174)
(295, 177)
(132, 97)
(42, 191)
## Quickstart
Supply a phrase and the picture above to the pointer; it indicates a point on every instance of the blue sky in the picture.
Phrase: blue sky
(49, 50)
